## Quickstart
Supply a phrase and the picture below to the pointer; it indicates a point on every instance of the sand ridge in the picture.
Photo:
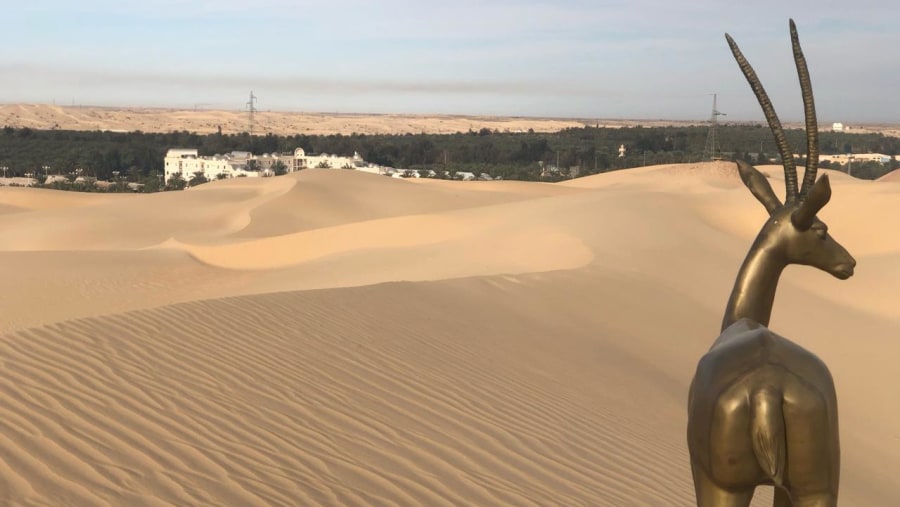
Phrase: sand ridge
(205, 120)
(338, 338)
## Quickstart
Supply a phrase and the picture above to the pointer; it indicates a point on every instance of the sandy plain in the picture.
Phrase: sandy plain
(341, 338)
(205, 121)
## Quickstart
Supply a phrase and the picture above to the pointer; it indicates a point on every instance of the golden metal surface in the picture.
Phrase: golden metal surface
(761, 409)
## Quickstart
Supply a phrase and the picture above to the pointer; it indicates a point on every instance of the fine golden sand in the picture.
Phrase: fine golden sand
(341, 338)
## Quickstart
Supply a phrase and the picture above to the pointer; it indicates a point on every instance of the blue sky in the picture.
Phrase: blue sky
(642, 59)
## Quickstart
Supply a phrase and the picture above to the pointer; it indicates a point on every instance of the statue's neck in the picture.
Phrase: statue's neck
(754, 290)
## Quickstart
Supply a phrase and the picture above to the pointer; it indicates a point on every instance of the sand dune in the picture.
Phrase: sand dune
(892, 176)
(338, 338)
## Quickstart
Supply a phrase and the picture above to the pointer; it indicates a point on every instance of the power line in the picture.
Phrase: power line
(251, 107)
(712, 149)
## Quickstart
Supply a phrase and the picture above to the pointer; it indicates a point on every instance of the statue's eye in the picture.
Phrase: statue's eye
(821, 233)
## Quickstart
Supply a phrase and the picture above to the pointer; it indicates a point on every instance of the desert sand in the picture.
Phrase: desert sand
(341, 338)
(207, 121)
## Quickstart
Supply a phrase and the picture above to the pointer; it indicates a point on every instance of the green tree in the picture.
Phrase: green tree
(199, 178)
(176, 182)
(134, 174)
(869, 169)
(151, 183)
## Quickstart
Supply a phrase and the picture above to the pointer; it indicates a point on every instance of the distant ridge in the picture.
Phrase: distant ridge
(206, 121)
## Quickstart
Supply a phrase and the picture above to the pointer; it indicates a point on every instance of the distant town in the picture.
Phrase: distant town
(184, 167)
(106, 161)
(187, 166)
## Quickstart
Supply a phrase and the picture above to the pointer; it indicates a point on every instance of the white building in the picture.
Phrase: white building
(843, 159)
(187, 162)
(326, 161)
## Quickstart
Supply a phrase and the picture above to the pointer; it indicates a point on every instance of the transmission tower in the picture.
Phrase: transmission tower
(251, 107)
(712, 149)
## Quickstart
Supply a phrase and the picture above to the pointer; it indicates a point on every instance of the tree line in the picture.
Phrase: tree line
(138, 156)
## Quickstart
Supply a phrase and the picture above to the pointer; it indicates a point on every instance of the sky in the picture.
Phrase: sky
(604, 59)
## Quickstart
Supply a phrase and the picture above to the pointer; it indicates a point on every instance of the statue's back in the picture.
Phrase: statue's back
(746, 360)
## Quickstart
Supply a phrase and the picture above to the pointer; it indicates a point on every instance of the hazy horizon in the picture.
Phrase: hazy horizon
(570, 59)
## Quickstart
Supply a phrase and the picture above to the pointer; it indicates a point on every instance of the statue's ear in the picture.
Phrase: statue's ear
(759, 186)
(818, 197)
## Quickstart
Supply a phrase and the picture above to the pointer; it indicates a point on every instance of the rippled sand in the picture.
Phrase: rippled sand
(340, 338)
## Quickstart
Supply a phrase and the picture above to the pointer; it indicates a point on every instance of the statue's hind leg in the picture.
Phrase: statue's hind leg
(823, 500)
(782, 499)
(709, 494)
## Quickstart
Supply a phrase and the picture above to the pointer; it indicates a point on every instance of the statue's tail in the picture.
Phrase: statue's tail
(767, 431)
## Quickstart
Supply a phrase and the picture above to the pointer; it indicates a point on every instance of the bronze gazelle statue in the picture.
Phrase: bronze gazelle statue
(761, 409)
